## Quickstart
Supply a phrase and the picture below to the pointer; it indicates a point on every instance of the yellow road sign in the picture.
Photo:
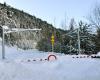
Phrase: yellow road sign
(52, 39)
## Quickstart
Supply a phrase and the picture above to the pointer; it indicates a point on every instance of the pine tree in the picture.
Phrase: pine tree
(97, 41)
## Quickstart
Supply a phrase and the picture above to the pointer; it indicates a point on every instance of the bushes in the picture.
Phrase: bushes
(44, 45)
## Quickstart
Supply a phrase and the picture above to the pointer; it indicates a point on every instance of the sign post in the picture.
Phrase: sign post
(52, 42)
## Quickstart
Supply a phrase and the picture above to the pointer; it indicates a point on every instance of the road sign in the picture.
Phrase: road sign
(52, 39)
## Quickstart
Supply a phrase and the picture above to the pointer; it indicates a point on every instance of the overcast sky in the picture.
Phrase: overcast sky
(50, 10)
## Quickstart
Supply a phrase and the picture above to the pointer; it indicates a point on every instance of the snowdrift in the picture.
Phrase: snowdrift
(16, 66)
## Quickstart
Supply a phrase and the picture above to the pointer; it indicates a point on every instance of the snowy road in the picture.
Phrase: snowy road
(64, 68)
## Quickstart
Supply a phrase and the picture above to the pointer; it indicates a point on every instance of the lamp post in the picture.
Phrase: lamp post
(78, 40)
(3, 41)
(3, 44)
(6, 30)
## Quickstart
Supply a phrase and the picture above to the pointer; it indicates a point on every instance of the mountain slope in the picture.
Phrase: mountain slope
(14, 18)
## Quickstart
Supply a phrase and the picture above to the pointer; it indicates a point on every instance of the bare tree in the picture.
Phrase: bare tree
(72, 24)
(94, 17)
(64, 23)
(95, 21)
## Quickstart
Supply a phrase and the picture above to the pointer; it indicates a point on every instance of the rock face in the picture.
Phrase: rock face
(14, 18)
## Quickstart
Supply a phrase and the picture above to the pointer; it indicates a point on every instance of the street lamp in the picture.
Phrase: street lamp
(78, 33)
(78, 38)
(6, 30)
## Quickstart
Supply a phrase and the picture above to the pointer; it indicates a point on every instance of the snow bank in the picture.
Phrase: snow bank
(0, 39)
(64, 68)
(98, 54)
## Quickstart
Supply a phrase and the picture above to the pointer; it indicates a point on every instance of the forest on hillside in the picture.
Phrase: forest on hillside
(66, 41)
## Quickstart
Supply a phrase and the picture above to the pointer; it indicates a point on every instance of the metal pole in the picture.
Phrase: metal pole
(60, 47)
(3, 44)
(79, 41)
(70, 46)
(52, 48)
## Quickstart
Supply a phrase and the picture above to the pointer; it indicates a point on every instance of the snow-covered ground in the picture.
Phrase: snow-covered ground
(17, 67)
